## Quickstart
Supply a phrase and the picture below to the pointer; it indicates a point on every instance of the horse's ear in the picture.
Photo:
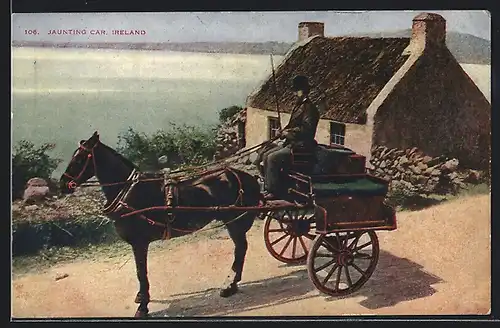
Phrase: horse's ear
(96, 135)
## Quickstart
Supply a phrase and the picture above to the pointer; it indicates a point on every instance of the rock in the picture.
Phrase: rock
(403, 160)
(36, 182)
(397, 175)
(422, 166)
(473, 176)
(436, 172)
(421, 179)
(414, 179)
(412, 151)
(383, 164)
(390, 153)
(426, 159)
(31, 207)
(35, 193)
(450, 165)
(415, 169)
(60, 276)
(399, 153)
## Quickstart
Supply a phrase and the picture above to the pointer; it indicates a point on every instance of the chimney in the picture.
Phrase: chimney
(309, 29)
(428, 30)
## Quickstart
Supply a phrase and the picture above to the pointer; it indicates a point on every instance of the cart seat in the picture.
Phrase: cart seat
(355, 187)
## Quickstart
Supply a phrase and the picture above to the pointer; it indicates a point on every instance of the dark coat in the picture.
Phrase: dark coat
(303, 124)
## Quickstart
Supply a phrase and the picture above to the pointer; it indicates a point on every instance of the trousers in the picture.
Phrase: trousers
(276, 165)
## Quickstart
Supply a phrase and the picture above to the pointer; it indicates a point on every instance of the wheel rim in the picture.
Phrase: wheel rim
(339, 264)
(289, 235)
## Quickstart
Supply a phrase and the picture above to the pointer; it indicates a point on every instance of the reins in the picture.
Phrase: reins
(193, 175)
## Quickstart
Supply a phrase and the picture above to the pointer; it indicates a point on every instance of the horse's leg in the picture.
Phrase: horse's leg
(141, 264)
(237, 231)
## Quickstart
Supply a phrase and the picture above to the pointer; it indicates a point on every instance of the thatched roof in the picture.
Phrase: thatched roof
(345, 73)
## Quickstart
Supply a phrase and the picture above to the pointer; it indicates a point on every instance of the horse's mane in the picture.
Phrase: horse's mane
(123, 158)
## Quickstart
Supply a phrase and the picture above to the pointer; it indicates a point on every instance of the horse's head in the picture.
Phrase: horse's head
(81, 166)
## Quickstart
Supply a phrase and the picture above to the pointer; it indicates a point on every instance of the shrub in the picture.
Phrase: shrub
(228, 112)
(29, 161)
(181, 145)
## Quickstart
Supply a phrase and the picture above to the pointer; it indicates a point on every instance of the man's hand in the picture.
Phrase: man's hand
(282, 134)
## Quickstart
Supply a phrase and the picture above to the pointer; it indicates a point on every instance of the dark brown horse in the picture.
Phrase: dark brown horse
(127, 190)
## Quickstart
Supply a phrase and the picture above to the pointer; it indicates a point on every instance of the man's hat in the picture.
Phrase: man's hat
(300, 82)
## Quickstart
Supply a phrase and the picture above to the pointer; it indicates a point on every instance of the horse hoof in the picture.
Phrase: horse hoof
(229, 291)
(141, 314)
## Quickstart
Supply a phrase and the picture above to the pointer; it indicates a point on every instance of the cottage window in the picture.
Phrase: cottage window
(337, 133)
(273, 127)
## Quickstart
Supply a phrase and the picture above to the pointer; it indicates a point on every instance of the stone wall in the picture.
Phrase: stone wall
(411, 169)
(231, 136)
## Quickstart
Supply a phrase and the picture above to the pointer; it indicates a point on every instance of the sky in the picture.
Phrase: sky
(229, 26)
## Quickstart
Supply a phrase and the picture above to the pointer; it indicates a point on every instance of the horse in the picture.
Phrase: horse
(127, 189)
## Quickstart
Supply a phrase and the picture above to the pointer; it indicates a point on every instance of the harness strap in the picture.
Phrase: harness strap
(124, 192)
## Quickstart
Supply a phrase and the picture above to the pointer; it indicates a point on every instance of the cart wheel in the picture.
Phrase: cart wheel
(351, 256)
(288, 235)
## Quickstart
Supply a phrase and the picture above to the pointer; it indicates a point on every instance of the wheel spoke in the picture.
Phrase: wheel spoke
(359, 270)
(354, 242)
(330, 247)
(286, 246)
(279, 239)
(348, 276)
(325, 265)
(363, 256)
(309, 236)
(324, 255)
(329, 275)
(337, 283)
(362, 246)
(303, 244)
(294, 246)
(277, 230)
(281, 225)
(345, 241)
(337, 235)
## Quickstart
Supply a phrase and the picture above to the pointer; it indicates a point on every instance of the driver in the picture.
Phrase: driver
(299, 132)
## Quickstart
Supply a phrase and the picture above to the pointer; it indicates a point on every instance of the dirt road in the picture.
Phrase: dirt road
(437, 262)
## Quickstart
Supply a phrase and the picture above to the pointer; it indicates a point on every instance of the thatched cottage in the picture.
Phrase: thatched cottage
(394, 92)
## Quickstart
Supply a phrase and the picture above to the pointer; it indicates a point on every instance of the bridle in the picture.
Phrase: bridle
(73, 183)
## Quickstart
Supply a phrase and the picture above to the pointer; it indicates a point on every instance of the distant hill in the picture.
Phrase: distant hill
(252, 48)
(466, 48)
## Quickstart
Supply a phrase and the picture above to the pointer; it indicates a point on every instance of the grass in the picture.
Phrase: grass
(419, 202)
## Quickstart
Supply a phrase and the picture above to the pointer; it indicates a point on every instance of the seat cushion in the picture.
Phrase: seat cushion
(360, 186)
